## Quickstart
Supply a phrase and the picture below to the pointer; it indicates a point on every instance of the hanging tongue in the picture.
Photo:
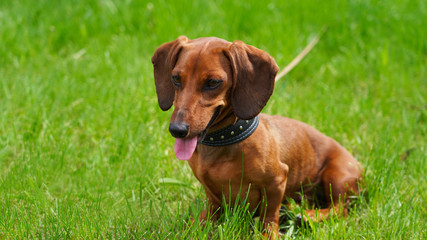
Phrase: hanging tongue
(184, 148)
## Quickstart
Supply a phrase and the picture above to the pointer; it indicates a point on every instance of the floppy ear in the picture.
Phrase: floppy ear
(164, 60)
(253, 79)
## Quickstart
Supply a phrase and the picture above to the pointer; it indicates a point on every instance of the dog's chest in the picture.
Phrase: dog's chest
(226, 179)
(220, 173)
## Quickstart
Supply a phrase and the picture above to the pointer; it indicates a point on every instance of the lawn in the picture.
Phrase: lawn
(85, 150)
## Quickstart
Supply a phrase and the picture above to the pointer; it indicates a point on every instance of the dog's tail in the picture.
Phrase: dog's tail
(301, 55)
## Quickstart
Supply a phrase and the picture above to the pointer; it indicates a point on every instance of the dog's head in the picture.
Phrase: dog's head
(203, 75)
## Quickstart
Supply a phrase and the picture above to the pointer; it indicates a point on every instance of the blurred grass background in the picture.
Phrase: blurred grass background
(85, 151)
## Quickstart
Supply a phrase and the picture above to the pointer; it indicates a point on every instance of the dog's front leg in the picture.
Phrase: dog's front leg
(213, 210)
(272, 200)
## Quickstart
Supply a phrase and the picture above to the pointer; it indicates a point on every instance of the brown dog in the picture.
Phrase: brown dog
(215, 86)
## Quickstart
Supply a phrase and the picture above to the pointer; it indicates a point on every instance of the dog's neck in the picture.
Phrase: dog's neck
(229, 129)
(224, 119)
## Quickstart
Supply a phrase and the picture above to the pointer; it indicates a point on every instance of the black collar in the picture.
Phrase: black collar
(231, 134)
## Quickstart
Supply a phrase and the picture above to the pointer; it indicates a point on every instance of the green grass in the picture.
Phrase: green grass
(85, 151)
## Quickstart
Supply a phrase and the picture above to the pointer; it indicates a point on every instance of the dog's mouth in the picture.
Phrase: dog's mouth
(185, 147)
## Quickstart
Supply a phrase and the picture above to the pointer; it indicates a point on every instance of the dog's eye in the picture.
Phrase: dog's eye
(212, 84)
(176, 80)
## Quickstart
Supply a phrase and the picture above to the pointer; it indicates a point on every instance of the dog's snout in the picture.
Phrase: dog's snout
(179, 130)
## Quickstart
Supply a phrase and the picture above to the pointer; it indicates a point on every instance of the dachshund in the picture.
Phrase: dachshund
(218, 89)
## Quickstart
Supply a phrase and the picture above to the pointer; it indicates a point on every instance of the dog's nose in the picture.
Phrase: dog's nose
(179, 130)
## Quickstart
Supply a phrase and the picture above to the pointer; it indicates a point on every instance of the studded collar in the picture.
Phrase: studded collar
(231, 134)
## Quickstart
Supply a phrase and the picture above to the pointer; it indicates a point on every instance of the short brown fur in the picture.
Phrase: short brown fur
(278, 158)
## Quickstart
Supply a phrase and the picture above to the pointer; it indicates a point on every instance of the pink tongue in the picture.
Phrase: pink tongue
(184, 148)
